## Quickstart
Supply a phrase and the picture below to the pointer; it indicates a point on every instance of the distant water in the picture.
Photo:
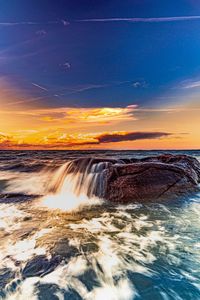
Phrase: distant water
(60, 241)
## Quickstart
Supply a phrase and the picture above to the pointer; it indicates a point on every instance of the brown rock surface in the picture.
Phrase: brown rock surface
(152, 178)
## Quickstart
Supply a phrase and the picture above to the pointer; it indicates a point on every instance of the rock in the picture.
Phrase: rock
(6, 276)
(131, 179)
(64, 249)
(152, 178)
(40, 266)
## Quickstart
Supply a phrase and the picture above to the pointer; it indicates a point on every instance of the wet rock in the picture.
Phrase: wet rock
(152, 178)
(89, 279)
(40, 265)
(54, 292)
(3, 184)
(64, 249)
(27, 218)
(15, 198)
(131, 180)
(6, 275)
(89, 247)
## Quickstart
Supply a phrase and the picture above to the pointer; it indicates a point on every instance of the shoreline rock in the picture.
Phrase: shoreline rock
(152, 178)
(129, 180)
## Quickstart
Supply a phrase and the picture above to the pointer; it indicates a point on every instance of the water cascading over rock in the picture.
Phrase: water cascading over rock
(81, 176)
(128, 180)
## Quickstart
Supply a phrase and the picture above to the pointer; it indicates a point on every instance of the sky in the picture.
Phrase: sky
(95, 74)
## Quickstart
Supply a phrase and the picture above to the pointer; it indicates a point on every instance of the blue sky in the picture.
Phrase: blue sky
(100, 62)
(77, 73)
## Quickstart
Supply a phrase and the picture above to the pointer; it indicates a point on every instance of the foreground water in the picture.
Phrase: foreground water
(68, 245)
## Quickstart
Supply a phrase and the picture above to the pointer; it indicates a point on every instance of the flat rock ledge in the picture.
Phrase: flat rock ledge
(151, 178)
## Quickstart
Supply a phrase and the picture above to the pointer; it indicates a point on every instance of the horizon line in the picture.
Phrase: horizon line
(93, 149)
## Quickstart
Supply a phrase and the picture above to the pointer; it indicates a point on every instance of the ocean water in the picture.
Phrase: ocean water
(59, 241)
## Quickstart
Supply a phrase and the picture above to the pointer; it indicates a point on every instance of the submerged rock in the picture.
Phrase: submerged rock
(152, 178)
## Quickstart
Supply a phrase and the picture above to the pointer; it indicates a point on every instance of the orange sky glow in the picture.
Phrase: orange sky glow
(175, 127)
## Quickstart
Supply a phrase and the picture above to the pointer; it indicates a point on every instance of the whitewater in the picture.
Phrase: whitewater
(61, 239)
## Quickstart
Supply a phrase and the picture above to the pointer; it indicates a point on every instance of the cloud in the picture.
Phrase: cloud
(143, 20)
(66, 66)
(86, 115)
(53, 117)
(9, 91)
(26, 101)
(76, 116)
(116, 137)
(39, 86)
(3, 137)
(85, 87)
(139, 84)
(65, 23)
(6, 141)
(132, 20)
(20, 23)
(41, 32)
(190, 84)
(26, 23)
(130, 136)
(78, 140)
(59, 127)
(136, 84)
(16, 92)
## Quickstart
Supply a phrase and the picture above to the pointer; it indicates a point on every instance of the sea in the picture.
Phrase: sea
(58, 241)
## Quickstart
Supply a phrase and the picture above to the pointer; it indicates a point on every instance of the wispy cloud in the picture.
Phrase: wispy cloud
(41, 32)
(26, 101)
(27, 92)
(65, 22)
(61, 22)
(190, 84)
(91, 86)
(85, 87)
(39, 86)
(81, 115)
(133, 20)
(143, 20)
(65, 66)
(140, 84)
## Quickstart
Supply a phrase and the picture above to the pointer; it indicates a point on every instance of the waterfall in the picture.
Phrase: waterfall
(76, 183)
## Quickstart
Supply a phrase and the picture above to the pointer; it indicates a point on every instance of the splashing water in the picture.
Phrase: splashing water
(76, 184)
(73, 185)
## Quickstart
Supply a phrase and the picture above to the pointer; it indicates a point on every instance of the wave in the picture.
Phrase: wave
(77, 183)
(73, 184)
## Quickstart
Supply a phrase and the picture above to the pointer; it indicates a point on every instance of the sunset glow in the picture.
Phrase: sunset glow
(77, 128)
(99, 149)
(60, 88)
